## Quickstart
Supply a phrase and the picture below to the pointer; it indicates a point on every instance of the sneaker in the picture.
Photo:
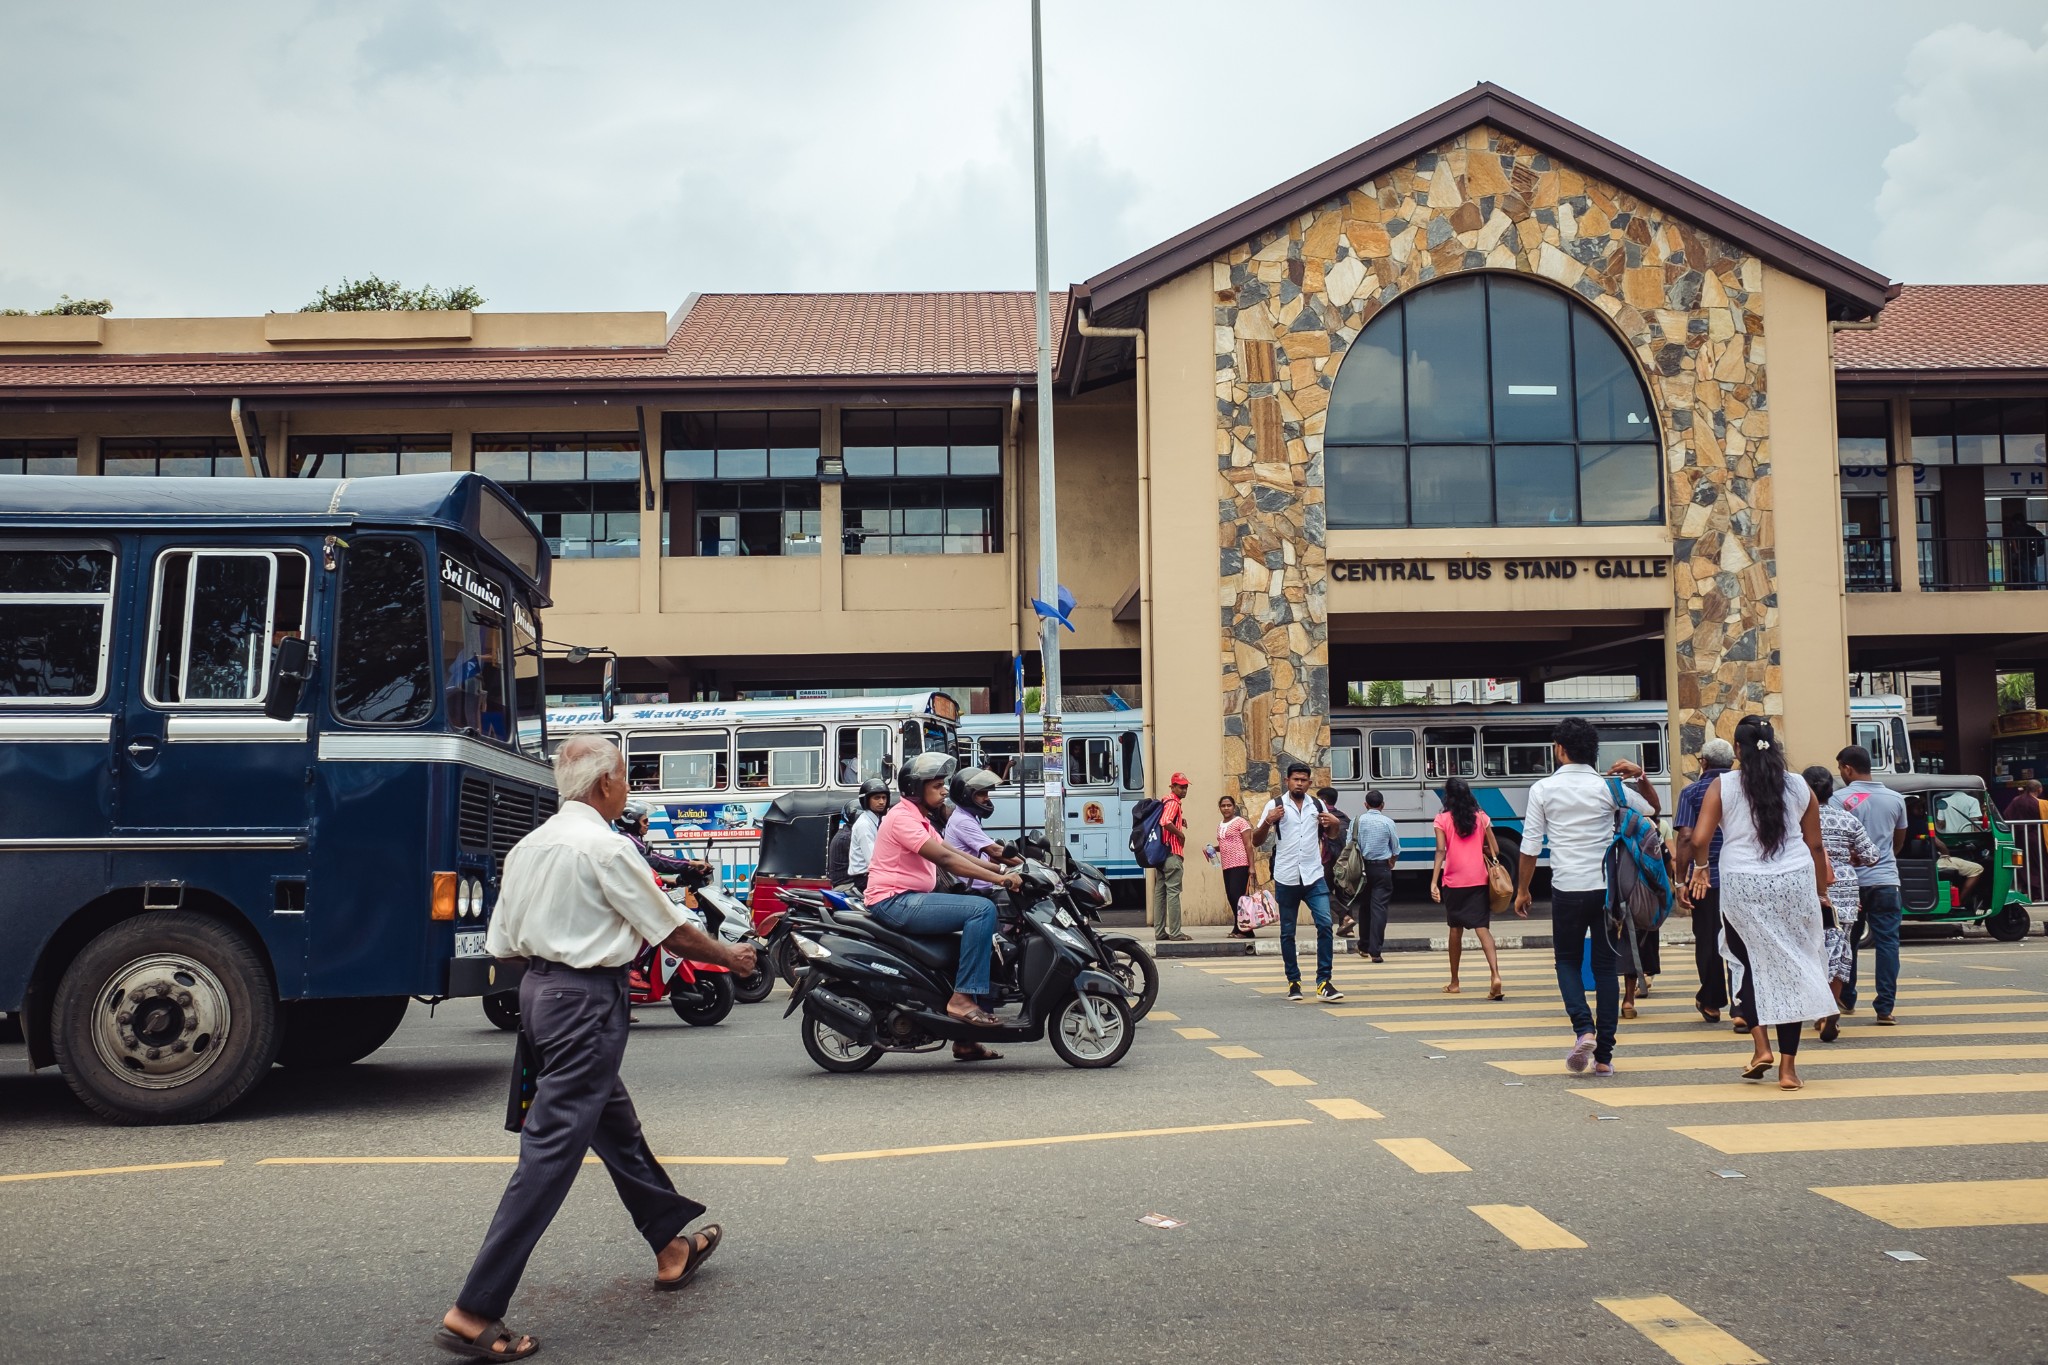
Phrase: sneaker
(1582, 1052)
(1603, 1068)
(1326, 991)
(1294, 992)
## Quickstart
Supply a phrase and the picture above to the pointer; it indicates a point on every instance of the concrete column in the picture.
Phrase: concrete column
(1905, 526)
(89, 454)
(652, 545)
(461, 446)
(1969, 706)
(831, 521)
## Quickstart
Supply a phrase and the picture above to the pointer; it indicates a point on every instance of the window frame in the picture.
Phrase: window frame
(1651, 733)
(430, 607)
(1085, 744)
(657, 745)
(1523, 742)
(856, 729)
(105, 602)
(1406, 744)
(1131, 757)
(127, 449)
(739, 737)
(855, 538)
(1429, 749)
(156, 622)
(29, 449)
(507, 673)
(1356, 749)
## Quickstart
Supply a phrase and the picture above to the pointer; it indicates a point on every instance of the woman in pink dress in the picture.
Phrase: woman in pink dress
(1464, 842)
(1233, 849)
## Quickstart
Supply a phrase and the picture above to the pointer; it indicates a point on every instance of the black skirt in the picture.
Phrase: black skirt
(1465, 907)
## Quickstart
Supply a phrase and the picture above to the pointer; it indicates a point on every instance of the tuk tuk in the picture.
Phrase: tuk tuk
(795, 830)
(1957, 810)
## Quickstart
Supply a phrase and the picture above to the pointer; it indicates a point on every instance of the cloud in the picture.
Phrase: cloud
(1965, 199)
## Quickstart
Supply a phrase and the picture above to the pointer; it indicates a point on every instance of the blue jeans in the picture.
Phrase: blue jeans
(1290, 898)
(1881, 911)
(1573, 916)
(928, 914)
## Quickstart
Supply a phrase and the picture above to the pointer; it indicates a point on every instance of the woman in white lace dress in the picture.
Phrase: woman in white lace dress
(1773, 875)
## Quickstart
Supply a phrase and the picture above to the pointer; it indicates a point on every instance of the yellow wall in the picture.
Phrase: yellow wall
(287, 332)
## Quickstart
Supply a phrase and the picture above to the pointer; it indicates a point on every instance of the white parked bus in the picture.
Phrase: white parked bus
(1404, 751)
(709, 770)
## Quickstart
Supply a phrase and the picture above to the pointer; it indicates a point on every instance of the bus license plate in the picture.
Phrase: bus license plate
(469, 942)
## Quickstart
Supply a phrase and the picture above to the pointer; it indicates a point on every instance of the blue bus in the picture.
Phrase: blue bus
(258, 745)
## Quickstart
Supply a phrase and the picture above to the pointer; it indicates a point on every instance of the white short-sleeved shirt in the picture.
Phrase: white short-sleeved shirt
(577, 892)
(1297, 841)
(1743, 849)
(1572, 811)
(860, 847)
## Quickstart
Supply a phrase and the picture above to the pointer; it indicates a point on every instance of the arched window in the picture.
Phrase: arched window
(1490, 401)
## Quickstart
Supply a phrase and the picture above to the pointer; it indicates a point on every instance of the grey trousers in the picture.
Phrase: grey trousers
(577, 1021)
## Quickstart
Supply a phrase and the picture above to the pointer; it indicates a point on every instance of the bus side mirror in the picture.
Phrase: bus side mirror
(290, 672)
(608, 690)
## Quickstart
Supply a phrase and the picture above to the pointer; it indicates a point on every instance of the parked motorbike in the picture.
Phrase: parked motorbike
(865, 989)
(1086, 893)
(726, 917)
(701, 993)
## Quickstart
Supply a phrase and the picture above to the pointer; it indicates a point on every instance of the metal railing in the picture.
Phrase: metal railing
(1984, 563)
(1869, 565)
(2030, 837)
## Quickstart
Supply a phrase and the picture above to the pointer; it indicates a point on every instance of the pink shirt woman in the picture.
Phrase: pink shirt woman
(1234, 853)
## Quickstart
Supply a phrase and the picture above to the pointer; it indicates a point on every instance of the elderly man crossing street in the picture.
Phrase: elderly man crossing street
(577, 903)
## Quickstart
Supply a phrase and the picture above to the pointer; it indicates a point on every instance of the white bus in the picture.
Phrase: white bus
(709, 770)
(1404, 751)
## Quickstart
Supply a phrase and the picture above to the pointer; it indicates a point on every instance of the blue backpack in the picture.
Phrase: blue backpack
(1638, 880)
(1148, 840)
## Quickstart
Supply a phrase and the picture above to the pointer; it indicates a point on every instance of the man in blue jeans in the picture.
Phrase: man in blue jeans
(1302, 820)
(1883, 813)
(1573, 811)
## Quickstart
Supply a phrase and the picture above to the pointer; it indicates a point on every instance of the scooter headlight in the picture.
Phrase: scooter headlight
(811, 949)
(1071, 940)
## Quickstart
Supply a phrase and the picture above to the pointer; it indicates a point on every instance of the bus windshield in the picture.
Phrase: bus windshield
(473, 649)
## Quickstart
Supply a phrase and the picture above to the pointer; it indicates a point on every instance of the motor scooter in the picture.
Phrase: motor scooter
(701, 993)
(727, 918)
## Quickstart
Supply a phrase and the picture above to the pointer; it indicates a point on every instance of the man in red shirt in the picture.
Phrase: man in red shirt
(1173, 825)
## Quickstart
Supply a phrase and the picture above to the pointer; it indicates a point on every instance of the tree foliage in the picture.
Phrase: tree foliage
(1385, 692)
(2016, 691)
(65, 307)
(374, 295)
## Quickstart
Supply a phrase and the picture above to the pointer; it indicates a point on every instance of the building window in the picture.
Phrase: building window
(1490, 401)
(1863, 434)
(172, 456)
(923, 481)
(741, 483)
(38, 457)
(362, 457)
(1980, 431)
(1926, 700)
(581, 489)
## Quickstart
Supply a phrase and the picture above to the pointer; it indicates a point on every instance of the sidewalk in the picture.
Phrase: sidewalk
(1213, 940)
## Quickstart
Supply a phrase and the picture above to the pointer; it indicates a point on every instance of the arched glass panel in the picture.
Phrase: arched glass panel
(1490, 401)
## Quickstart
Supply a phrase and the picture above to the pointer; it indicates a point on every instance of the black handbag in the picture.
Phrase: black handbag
(525, 1083)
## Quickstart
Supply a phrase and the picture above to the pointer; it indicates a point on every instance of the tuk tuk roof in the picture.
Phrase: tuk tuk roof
(794, 832)
(1918, 784)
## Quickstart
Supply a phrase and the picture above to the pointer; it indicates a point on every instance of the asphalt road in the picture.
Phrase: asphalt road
(1308, 1234)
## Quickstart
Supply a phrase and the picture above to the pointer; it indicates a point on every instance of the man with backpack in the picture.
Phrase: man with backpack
(1574, 812)
(1173, 832)
(1302, 822)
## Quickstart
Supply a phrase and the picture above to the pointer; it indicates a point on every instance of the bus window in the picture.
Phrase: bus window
(1518, 751)
(792, 757)
(1345, 751)
(1872, 734)
(1134, 761)
(54, 609)
(1642, 745)
(1090, 762)
(999, 756)
(217, 615)
(1393, 755)
(383, 671)
(938, 738)
(1902, 747)
(555, 743)
(527, 688)
(473, 652)
(863, 753)
(913, 740)
(1448, 751)
(693, 762)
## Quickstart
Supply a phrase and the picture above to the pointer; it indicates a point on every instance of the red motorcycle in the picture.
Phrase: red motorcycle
(699, 992)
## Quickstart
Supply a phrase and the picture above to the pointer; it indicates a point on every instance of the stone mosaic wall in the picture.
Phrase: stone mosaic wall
(1288, 303)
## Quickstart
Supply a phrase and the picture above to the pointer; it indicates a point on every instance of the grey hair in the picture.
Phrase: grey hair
(1717, 753)
(582, 762)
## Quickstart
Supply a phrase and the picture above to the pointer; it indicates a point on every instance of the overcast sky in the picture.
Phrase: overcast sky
(232, 158)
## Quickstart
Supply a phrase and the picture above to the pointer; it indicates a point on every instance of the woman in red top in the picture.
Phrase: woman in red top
(1233, 851)
(1464, 843)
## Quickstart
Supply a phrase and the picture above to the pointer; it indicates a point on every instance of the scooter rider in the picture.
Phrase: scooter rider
(969, 791)
(632, 823)
(860, 845)
(907, 855)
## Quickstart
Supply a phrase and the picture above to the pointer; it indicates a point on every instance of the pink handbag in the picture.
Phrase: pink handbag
(1257, 909)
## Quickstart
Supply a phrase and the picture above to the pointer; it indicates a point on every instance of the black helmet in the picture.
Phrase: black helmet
(874, 786)
(850, 814)
(630, 818)
(926, 767)
(969, 790)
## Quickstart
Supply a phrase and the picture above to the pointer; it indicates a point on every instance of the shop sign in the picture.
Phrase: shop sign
(1487, 570)
(2020, 723)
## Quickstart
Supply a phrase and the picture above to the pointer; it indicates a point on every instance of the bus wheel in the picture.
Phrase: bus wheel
(337, 1032)
(502, 1010)
(2011, 924)
(169, 1017)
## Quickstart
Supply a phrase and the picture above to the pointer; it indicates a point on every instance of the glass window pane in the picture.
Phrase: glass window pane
(793, 431)
(1367, 486)
(1449, 486)
(922, 427)
(44, 572)
(1613, 404)
(1535, 485)
(185, 466)
(1863, 433)
(425, 462)
(1620, 485)
(1448, 751)
(689, 431)
(689, 464)
(869, 462)
(1447, 397)
(867, 427)
(1977, 431)
(557, 464)
(127, 464)
(50, 649)
(506, 466)
(383, 674)
(743, 464)
(977, 460)
(793, 464)
(1393, 754)
(609, 466)
(742, 430)
(1934, 439)
(1529, 328)
(227, 640)
(976, 427)
(921, 462)
(1366, 405)
(2026, 421)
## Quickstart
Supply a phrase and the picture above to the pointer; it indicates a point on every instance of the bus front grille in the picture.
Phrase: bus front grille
(491, 818)
(473, 815)
(512, 818)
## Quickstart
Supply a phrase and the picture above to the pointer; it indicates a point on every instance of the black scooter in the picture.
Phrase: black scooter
(1085, 892)
(865, 989)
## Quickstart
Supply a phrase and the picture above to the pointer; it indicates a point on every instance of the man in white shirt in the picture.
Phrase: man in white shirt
(860, 845)
(1302, 821)
(577, 903)
(1573, 811)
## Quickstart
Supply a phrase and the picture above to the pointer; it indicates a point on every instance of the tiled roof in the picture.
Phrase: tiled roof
(1954, 327)
(724, 337)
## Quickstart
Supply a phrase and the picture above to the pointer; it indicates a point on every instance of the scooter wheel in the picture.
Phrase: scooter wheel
(835, 1051)
(1069, 1034)
(1130, 964)
(752, 990)
(696, 1009)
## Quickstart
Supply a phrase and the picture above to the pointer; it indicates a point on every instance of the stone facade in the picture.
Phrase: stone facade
(1688, 305)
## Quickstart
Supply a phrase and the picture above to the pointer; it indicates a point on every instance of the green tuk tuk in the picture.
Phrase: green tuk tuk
(1957, 810)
